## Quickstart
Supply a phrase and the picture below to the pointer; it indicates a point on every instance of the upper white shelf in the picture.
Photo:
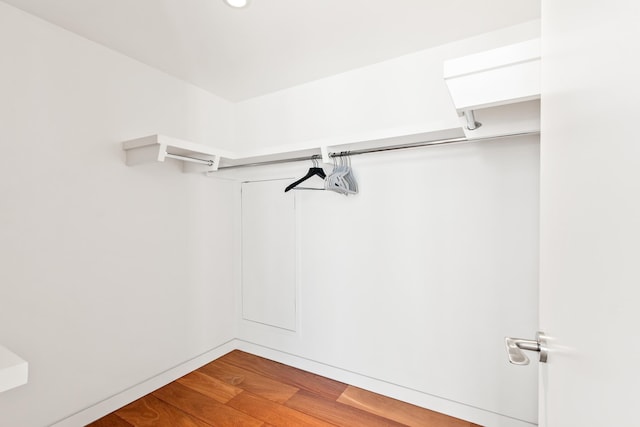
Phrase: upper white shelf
(14, 371)
(496, 77)
(160, 147)
(500, 86)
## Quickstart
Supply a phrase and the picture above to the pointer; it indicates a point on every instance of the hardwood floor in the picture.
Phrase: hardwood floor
(241, 389)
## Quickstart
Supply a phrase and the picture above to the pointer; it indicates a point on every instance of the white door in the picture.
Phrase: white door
(590, 213)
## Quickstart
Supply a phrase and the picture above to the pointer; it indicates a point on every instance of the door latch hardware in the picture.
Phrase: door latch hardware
(516, 345)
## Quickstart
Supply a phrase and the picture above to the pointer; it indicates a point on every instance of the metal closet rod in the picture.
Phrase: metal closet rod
(350, 152)
(380, 149)
(189, 159)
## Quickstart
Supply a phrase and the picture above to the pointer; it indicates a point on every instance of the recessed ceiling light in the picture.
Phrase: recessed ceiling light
(237, 3)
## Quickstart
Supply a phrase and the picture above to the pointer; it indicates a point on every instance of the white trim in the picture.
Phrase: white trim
(415, 397)
(517, 53)
(135, 392)
(14, 371)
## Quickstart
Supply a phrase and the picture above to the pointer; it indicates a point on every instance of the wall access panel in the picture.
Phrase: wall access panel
(269, 254)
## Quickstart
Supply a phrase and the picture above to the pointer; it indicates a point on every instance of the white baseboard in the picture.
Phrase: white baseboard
(135, 392)
(434, 403)
(424, 400)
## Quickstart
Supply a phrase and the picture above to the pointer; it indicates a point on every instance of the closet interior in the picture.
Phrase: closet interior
(156, 235)
(285, 237)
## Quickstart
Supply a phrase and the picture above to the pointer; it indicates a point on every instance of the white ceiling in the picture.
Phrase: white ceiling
(274, 44)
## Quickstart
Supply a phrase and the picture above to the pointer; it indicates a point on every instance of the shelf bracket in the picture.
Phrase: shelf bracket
(471, 120)
(326, 158)
(14, 371)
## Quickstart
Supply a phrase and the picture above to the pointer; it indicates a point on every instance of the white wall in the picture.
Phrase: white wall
(407, 94)
(417, 280)
(110, 275)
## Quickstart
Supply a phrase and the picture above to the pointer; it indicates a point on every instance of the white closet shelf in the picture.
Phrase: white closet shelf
(203, 158)
(499, 88)
(160, 147)
(503, 85)
(14, 371)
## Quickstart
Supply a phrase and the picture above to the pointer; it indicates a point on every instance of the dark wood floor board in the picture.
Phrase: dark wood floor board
(274, 413)
(336, 413)
(241, 389)
(203, 407)
(150, 411)
(298, 378)
(209, 386)
(111, 420)
(402, 412)
(254, 383)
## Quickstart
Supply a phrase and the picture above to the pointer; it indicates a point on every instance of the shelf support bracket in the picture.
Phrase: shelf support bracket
(471, 120)
(326, 158)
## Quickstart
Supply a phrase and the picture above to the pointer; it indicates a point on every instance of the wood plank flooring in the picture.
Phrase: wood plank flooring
(240, 389)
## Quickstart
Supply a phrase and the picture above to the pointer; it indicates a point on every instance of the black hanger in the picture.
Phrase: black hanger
(313, 171)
